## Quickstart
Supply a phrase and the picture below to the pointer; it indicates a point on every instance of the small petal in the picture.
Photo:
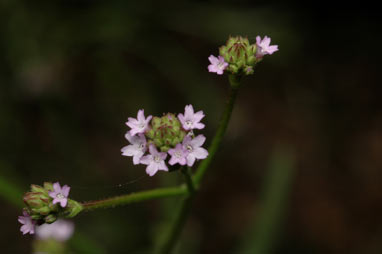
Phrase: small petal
(190, 160)
(65, 190)
(152, 168)
(200, 153)
(63, 202)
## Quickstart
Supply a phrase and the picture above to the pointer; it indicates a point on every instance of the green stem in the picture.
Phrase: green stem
(188, 178)
(173, 234)
(171, 237)
(175, 230)
(235, 83)
(135, 197)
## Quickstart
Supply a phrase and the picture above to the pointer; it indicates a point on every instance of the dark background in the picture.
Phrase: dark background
(71, 72)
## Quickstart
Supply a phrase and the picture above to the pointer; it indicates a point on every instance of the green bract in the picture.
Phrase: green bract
(240, 55)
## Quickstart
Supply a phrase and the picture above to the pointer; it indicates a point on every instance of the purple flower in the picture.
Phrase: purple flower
(217, 65)
(60, 195)
(28, 224)
(195, 151)
(191, 120)
(154, 161)
(137, 147)
(178, 155)
(61, 230)
(263, 47)
(140, 124)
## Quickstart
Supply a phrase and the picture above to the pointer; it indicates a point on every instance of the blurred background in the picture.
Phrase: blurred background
(71, 72)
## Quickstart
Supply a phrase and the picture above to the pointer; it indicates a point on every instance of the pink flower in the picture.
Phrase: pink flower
(60, 230)
(191, 120)
(178, 155)
(217, 65)
(28, 224)
(263, 47)
(60, 195)
(140, 124)
(195, 151)
(154, 161)
(137, 147)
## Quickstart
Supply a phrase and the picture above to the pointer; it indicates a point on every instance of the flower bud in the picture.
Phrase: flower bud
(166, 132)
(239, 54)
(50, 218)
(36, 200)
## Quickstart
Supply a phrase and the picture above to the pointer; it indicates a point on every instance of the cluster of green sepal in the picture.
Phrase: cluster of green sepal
(40, 207)
(240, 55)
(165, 132)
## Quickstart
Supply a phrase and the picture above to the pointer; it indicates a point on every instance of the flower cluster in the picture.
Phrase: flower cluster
(238, 56)
(44, 204)
(162, 136)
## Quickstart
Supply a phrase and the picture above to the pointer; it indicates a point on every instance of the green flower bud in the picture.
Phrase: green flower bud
(48, 186)
(166, 132)
(239, 54)
(36, 200)
(37, 188)
(50, 218)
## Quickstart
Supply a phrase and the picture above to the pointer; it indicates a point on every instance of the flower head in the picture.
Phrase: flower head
(191, 120)
(28, 224)
(263, 47)
(154, 161)
(137, 147)
(61, 230)
(217, 65)
(60, 195)
(194, 149)
(140, 124)
(178, 155)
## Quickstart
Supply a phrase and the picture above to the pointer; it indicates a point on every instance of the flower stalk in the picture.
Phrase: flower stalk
(193, 183)
(216, 141)
(135, 197)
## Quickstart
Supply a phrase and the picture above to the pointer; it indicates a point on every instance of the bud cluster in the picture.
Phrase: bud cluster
(45, 204)
(166, 135)
(239, 57)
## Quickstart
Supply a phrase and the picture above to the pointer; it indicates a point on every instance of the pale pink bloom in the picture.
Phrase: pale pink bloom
(60, 195)
(154, 161)
(217, 65)
(191, 120)
(194, 149)
(28, 224)
(137, 148)
(178, 155)
(60, 230)
(263, 47)
(140, 124)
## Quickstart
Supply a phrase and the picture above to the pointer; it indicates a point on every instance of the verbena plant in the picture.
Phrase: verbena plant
(166, 143)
